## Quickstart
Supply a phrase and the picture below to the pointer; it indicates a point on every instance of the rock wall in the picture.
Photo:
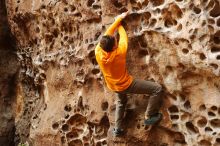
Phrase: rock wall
(62, 96)
(8, 75)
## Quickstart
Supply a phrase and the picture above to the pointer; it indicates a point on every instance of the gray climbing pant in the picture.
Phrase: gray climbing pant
(139, 87)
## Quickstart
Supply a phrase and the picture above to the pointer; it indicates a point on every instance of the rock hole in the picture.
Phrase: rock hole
(211, 29)
(122, 10)
(202, 56)
(215, 123)
(98, 143)
(205, 143)
(65, 9)
(174, 117)
(95, 71)
(211, 21)
(142, 53)
(90, 2)
(185, 51)
(216, 37)
(179, 138)
(215, 66)
(202, 122)
(214, 108)
(153, 22)
(134, 17)
(203, 37)
(173, 109)
(187, 104)
(176, 42)
(43, 6)
(96, 7)
(91, 54)
(217, 140)
(78, 109)
(65, 38)
(215, 49)
(78, 15)
(142, 42)
(55, 32)
(85, 139)
(146, 15)
(104, 142)
(16, 9)
(86, 41)
(76, 142)
(65, 127)
(72, 8)
(94, 62)
(158, 11)
(104, 106)
(218, 22)
(184, 116)
(215, 12)
(192, 37)
(210, 5)
(55, 125)
(181, 66)
(157, 2)
(80, 102)
(68, 108)
(67, 116)
(86, 144)
(197, 10)
(76, 120)
(179, 27)
(211, 114)
(37, 30)
(138, 126)
(117, 4)
(208, 129)
(63, 139)
(203, 23)
(72, 134)
(191, 127)
(133, 2)
(90, 47)
(97, 35)
(168, 23)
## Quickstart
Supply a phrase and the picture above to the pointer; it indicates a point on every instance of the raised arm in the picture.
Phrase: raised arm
(117, 22)
(113, 26)
(123, 40)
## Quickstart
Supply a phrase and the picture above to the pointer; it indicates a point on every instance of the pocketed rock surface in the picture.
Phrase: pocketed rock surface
(61, 97)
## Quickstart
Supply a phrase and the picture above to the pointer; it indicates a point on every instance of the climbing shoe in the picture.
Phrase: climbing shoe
(153, 119)
(117, 132)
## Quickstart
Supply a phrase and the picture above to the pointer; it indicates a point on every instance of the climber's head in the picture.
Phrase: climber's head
(108, 43)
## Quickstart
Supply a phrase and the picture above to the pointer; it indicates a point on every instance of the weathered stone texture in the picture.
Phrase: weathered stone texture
(63, 97)
(8, 73)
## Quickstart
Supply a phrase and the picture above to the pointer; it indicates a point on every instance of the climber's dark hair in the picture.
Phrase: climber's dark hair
(107, 43)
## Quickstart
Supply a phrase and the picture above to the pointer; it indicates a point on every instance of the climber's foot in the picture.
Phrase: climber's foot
(156, 118)
(117, 132)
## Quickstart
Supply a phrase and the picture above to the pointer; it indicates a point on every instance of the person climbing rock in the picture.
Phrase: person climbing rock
(111, 57)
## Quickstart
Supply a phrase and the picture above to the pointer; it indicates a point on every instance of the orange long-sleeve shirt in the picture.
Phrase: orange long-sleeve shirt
(113, 64)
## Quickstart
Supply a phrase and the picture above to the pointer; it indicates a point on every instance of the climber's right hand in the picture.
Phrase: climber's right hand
(123, 15)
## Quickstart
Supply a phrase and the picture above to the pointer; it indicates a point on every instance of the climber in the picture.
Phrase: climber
(111, 57)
